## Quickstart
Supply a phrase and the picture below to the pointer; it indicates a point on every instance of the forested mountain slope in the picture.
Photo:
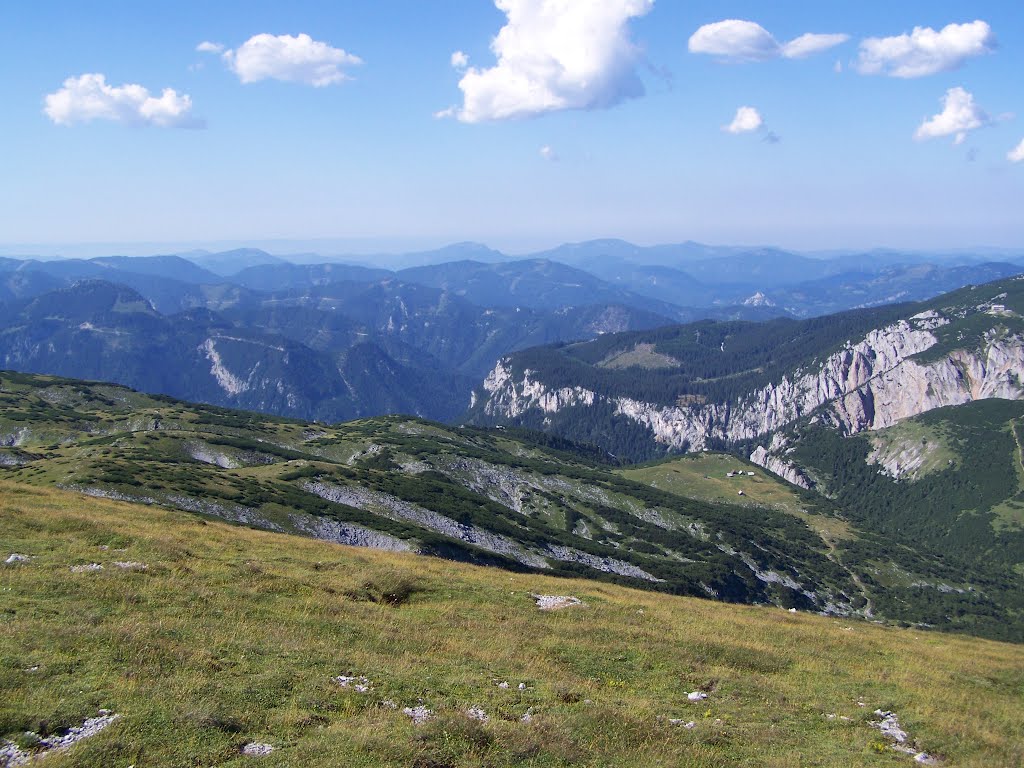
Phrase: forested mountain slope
(718, 384)
(333, 352)
(522, 501)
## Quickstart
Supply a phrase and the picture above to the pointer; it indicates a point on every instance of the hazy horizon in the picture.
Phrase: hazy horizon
(368, 248)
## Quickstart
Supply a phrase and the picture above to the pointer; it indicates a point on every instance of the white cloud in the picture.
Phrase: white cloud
(958, 116)
(925, 51)
(555, 55)
(296, 59)
(1016, 155)
(735, 39)
(207, 47)
(742, 40)
(88, 97)
(810, 43)
(747, 119)
(459, 60)
(548, 153)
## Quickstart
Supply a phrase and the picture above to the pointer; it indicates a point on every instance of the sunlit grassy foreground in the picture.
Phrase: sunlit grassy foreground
(232, 636)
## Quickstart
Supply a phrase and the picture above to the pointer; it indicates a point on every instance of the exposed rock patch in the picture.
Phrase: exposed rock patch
(396, 509)
(86, 568)
(897, 460)
(418, 714)
(350, 534)
(12, 755)
(779, 466)
(358, 683)
(554, 603)
(890, 728)
(599, 563)
(257, 749)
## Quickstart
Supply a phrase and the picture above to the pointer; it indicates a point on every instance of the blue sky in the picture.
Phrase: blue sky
(247, 150)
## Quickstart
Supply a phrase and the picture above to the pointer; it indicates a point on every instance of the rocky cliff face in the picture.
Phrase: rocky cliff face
(511, 399)
(869, 384)
(776, 464)
(910, 387)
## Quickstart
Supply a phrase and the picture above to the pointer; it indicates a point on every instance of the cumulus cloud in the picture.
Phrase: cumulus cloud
(747, 119)
(555, 55)
(735, 39)
(459, 60)
(548, 153)
(925, 51)
(88, 97)
(1016, 155)
(959, 115)
(207, 47)
(294, 59)
(742, 40)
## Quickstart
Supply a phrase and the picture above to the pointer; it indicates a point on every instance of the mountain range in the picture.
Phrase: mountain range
(862, 463)
(329, 340)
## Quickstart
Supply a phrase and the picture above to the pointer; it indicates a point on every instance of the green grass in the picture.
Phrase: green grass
(233, 635)
(705, 476)
(640, 356)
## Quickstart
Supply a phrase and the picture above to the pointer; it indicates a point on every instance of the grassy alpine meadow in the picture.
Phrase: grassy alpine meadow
(209, 637)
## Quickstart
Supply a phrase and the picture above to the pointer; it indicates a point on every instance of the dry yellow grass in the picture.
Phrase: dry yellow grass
(233, 635)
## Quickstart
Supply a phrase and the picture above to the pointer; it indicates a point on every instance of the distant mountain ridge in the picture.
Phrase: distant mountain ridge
(227, 263)
(429, 331)
(343, 351)
(688, 275)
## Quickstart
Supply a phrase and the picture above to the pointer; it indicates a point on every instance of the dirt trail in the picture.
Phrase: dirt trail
(869, 610)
